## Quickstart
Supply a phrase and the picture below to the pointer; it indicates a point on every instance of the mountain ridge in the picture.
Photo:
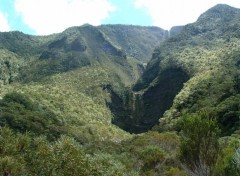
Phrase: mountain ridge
(71, 103)
(43, 47)
(87, 46)
(196, 50)
(85, 57)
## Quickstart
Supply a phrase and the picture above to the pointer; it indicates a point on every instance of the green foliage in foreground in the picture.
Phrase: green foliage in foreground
(202, 151)
(199, 146)
(226, 164)
(153, 154)
(198, 149)
(22, 155)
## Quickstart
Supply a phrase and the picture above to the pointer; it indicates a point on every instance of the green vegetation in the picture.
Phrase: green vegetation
(22, 155)
(66, 99)
(199, 145)
(234, 168)
(208, 53)
(21, 114)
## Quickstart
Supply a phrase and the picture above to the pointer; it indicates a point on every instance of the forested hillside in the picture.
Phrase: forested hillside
(197, 69)
(123, 100)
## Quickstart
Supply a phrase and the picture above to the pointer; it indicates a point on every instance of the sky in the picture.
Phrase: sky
(43, 17)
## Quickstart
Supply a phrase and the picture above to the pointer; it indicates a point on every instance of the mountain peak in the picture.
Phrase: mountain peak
(219, 11)
(222, 6)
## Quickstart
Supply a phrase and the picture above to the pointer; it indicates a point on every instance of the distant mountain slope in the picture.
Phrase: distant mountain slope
(136, 41)
(194, 70)
(75, 48)
(109, 45)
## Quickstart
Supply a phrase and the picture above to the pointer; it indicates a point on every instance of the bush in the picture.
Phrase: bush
(106, 165)
(151, 156)
(199, 146)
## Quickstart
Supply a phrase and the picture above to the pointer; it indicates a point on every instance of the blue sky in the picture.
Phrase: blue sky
(43, 17)
(15, 21)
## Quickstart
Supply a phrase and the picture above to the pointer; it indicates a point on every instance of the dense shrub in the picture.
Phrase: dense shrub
(199, 145)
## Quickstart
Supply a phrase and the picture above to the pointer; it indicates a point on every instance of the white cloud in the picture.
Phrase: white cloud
(168, 13)
(51, 16)
(4, 26)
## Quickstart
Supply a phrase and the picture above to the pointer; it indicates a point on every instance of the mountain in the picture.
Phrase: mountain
(74, 103)
(55, 97)
(73, 74)
(82, 46)
(138, 42)
(196, 69)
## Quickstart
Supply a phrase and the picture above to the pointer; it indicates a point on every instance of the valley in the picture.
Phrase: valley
(123, 99)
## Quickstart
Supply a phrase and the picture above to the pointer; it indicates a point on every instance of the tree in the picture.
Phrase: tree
(199, 146)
